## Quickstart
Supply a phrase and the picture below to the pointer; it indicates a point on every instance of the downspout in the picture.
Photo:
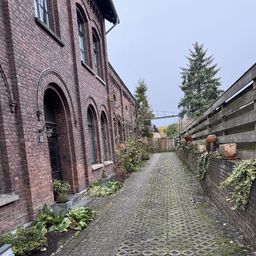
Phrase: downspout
(115, 24)
(115, 14)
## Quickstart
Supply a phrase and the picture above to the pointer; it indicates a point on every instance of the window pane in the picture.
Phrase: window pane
(95, 55)
(42, 11)
(81, 35)
(91, 133)
(104, 137)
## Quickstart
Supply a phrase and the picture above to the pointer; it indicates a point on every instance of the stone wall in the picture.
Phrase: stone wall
(217, 172)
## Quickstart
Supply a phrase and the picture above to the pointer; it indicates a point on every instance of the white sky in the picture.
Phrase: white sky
(153, 38)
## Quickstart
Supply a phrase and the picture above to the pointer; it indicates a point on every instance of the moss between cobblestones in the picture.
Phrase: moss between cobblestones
(227, 247)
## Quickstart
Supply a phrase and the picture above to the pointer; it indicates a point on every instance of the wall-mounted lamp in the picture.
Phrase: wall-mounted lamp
(49, 133)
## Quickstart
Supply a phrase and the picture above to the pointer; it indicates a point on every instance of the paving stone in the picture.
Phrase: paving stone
(152, 215)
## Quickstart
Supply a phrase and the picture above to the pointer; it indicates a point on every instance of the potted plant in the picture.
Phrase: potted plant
(188, 137)
(62, 204)
(61, 189)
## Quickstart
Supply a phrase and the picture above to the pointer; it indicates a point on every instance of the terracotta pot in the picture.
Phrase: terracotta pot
(187, 137)
(228, 150)
(211, 138)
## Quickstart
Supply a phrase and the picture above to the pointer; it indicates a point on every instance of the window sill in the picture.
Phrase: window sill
(100, 80)
(49, 31)
(88, 67)
(97, 166)
(92, 72)
(8, 198)
(106, 163)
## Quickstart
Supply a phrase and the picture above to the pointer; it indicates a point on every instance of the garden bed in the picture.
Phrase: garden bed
(55, 241)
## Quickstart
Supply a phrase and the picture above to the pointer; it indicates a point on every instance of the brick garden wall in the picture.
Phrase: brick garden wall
(217, 172)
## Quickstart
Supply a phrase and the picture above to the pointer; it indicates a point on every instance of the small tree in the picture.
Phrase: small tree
(144, 114)
(199, 83)
(172, 130)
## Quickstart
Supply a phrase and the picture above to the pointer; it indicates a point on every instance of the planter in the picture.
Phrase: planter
(6, 250)
(62, 207)
(202, 148)
(228, 150)
(211, 138)
(188, 137)
(62, 197)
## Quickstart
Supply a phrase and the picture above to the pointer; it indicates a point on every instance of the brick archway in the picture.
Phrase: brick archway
(51, 85)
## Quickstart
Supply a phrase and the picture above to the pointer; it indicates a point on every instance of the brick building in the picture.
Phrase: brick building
(123, 107)
(57, 113)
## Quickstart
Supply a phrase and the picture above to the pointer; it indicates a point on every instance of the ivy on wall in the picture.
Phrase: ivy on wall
(240, 181)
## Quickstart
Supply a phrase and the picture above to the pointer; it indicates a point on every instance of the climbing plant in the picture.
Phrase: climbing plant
(203, 164)
(240, 181)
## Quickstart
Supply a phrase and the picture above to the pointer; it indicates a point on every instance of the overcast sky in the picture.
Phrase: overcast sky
(154, 37)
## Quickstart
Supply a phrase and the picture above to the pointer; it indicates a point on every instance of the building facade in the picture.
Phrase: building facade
(123, 108)
(56, 112)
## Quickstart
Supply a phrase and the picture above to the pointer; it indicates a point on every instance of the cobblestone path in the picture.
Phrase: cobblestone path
(153, 214)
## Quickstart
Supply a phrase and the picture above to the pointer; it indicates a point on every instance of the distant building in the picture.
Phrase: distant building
(58, 117)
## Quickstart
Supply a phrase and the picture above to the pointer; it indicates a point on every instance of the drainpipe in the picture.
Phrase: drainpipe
(115, 24)
(115, 13)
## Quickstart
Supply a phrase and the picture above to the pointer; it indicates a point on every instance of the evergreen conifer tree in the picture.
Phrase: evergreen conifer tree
(144, 114)
(199, 83)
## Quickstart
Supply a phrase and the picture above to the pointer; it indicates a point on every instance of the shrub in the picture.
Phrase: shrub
(25, 240)
(79, 217)
(48, 221)
(60, 186)
(98, 189)
(241, 180)
(130, 156)
(30, 239)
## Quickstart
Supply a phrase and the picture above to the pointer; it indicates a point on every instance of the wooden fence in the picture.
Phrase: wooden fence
(232, 117)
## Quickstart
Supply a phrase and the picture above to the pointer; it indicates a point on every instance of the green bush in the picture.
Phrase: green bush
(25, 240)
(79, 217)
(48, 221)
(33, 238)
(240, 181)
(130, 156)
(98, 189)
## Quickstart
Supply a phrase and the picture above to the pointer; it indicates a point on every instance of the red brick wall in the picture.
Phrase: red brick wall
(124, 107)
(33, 61)
(217, 172)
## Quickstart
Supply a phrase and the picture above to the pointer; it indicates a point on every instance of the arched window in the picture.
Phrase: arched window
(104, 134)
(96, 59)
(120, 133)
(47, 13)
(81, 25)
(92, 132)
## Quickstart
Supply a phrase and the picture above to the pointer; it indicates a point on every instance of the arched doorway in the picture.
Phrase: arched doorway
(56, 122)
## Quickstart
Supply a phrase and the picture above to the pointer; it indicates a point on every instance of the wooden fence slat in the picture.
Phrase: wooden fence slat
(244, 137)
(239, 102)
(244, 80)
(244, 119)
